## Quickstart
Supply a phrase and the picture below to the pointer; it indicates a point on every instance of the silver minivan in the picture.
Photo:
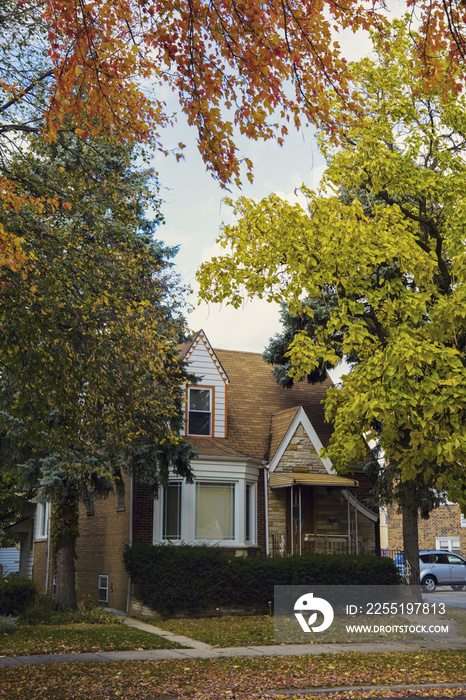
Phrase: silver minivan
(439, 567)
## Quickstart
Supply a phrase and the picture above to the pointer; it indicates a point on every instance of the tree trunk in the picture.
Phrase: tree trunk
(410, 533)
(65, 577)
(64, 533)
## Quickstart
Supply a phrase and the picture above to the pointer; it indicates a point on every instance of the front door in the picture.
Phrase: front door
(300, 517)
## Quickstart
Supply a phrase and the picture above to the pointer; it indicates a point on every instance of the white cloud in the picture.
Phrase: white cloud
(248, 328)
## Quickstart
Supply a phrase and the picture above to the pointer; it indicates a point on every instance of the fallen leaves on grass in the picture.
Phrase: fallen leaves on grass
(236, 678)
(78, 638)
(223, 631)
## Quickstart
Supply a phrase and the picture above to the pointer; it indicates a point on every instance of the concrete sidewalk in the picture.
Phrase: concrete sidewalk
(199, 650)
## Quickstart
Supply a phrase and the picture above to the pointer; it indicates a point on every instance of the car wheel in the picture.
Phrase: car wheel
(457, 587)
(429, 584)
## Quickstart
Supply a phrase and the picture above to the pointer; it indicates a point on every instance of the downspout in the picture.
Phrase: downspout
(47, 571)
(291, 518)
(128, 593)
(266, 508)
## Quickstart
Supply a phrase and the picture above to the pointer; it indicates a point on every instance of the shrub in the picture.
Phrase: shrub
(16, 594)
(41, 609)
(174, 578)
(8, 624)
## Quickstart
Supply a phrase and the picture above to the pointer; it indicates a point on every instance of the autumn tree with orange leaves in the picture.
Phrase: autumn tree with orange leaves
(98, 68)
(237, 67)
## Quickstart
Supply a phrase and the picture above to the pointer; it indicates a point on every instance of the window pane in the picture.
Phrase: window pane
(199, 400)
(172, 511)
(248, 511)
(199, 412)
(42, 514)
(103, 589)
(215, 511)
(199, 423)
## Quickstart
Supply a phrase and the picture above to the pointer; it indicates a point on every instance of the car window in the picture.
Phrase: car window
(425, 558)
(441, 559)
(453, 559)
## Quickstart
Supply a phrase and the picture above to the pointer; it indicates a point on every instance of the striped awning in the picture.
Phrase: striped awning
(281, 480)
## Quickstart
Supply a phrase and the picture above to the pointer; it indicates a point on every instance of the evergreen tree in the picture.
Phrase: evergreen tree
(91, 386)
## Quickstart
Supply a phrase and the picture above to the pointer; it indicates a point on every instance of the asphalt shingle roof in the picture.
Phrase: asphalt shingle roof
(260, 410)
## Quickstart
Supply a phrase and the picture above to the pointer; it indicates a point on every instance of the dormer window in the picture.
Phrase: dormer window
(199, 411)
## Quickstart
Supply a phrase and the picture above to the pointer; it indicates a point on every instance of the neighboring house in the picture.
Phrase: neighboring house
(445, 529)
(259, 483)
(25, 531)
(9, 560)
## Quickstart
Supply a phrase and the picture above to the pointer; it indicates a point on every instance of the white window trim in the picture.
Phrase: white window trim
(219, 482)
(162, 514)
(188, 431)
(215, 473)
(252, 514)
(42, 518)
(450, 542)
(102, 588)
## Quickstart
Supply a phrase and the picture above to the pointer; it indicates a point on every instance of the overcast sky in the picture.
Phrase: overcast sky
(194, 210)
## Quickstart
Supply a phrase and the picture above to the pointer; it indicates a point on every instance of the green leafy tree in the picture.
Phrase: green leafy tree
(413, 496)
(91, 386)
(395, 273)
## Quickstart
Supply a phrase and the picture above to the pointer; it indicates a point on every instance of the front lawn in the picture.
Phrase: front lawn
(253, 630)
(236, 678)
(223, 631)
(78, 638)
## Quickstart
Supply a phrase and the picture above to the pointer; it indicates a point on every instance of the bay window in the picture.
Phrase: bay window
(214, 511)
(171, 512)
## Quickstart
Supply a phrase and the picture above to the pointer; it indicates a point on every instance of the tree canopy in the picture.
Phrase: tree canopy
(388, 268)
(92, 385)
(103, 69)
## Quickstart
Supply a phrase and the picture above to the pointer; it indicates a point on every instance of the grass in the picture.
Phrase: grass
(253, 630)
(78, 638)
(89, 628)
(223, 631)
(459, 616)
(239, 678)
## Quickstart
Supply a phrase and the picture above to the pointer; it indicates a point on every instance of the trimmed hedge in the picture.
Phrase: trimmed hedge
(16, 594)
(174, 578)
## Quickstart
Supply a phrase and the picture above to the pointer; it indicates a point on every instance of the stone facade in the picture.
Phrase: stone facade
(277, 512)
(325, 510)
(301, 455)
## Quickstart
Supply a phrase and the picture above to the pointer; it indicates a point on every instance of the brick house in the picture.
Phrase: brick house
(259, 483)
(445, 529)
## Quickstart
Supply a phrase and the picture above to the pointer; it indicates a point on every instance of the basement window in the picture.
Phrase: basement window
(103, 589)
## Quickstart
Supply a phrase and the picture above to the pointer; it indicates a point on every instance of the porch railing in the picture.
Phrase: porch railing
(317, 544)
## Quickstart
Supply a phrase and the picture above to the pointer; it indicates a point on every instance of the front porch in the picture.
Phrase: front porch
(318, 514)
(318, 544)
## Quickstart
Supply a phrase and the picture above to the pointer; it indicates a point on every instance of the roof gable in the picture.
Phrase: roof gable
(200, 352)
(260, 410)
(299, 417)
